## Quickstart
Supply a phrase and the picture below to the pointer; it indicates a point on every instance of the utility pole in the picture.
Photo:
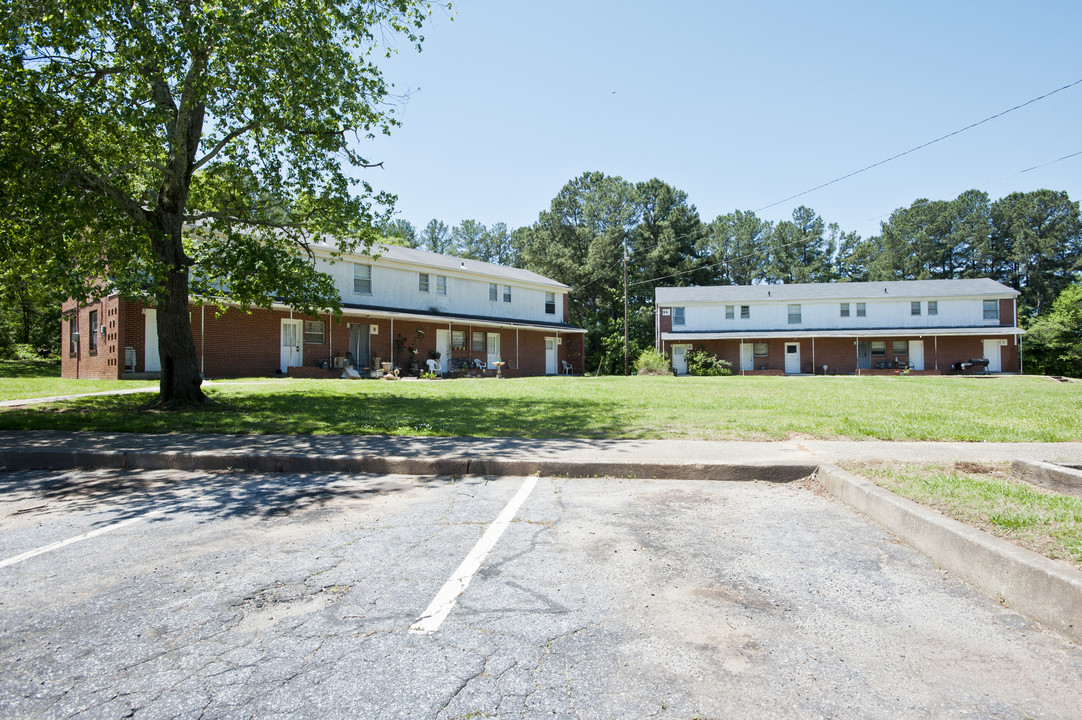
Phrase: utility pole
(625, 303)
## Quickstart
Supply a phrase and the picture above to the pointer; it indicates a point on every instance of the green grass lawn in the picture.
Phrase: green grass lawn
(41, 378)
(760, 408)
(987, 497)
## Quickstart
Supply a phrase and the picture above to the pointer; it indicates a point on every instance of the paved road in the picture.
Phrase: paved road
(231, 595)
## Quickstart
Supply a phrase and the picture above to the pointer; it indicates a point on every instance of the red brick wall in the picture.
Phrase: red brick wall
(106, 362)
(666, 320)
(1006, 313)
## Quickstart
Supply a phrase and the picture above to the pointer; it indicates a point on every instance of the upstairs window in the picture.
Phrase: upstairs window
(861, 310)
(991, 309)
(550, 303)
(677, 316)
(362, 279)
(441, 284)
(794, 314)
(914, 307)
(313, 332)
(730, 312)
(507, 293)
(493, 292)
(933, 307)
(745, 312)
(422, 282)
(845, 309)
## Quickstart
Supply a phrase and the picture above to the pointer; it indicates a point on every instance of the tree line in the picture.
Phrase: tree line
(1030, 241)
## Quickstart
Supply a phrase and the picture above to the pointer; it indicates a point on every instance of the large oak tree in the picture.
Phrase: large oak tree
(169, 147)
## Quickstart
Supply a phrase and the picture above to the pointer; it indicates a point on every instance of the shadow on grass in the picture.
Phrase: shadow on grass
(29, 369)
(133, 493)
(292, 412)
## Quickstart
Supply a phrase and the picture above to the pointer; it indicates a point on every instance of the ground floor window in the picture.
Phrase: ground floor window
(761, 349)
(313, 332)
(900, 347)
(458, 339)
(879, 347)
(478, 342)
(93, 331)
(73, 335)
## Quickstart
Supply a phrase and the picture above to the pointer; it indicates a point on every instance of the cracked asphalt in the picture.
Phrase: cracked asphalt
(239, 596)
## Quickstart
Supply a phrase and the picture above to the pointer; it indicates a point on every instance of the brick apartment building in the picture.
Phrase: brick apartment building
(473, 313)
(923, 326)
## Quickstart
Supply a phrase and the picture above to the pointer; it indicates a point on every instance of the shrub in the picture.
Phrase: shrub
(651, 362)
(701, 363)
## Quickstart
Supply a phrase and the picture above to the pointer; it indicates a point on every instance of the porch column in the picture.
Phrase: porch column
(856, 351)
(813, 355)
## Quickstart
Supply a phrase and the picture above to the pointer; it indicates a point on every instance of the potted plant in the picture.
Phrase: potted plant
(435, 354)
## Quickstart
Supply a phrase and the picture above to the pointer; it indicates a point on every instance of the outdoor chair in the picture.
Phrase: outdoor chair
(568, 369)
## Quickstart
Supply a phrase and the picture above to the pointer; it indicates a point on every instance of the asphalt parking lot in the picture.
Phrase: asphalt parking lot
(166, 594)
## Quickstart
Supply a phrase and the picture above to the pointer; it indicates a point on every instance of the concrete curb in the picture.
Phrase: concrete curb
(1031, 584)
(1057, 478)
(203, 460)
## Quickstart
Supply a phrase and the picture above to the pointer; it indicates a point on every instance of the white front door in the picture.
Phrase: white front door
(747, 357)
(792, 358)
(493, 349)
(991, 353)
(916, 354)
(550, 356)
(679, 361)
(152, 361)
(443, 347)
(291, 345)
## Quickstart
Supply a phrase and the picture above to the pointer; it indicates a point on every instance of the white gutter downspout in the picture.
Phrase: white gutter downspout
(856, 349)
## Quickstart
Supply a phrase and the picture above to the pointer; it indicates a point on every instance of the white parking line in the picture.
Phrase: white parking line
(445, 599)
(79, 538)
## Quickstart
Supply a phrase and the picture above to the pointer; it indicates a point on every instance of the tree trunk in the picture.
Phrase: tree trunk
(180, 366)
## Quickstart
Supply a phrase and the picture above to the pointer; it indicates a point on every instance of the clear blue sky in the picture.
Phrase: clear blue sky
(737, 104)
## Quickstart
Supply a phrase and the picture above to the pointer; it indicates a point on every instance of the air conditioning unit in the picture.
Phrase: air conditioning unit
(102, 330)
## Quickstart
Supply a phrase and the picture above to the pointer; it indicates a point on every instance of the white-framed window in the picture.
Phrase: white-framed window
(862, 310)
(933, 307)
(362, 279)
(73, 335)
(458, 339)
(441, 284)
(745, 312)
(899, 347)
(845, 310)
(677, 316)
(422, 282)
(761, 349)
(93, 344)
(914, 307)
(991, 309)
(493, 292)
(730, 312)
(507, 293)
(313, 332)
(879, 347)
(550, 303)
(794, 314)
(478, 342)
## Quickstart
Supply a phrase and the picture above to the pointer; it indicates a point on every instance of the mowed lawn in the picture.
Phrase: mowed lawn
(891, 408)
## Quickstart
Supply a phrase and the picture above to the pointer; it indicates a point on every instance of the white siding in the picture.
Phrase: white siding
(826, 315)
(397, 287)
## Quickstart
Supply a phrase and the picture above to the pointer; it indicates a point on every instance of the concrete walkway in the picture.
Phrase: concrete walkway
(20, 402)
(678, 459)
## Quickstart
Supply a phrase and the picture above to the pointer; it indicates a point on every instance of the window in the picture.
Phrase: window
(493, 292)
(441, 284)
(900, 347)
(422, 282)
(845, 309)
(550, 303)
(730, 312)
(879, 347)
(458, 339)
(677, 316)
(761, 349)
(507, 293)
(933, 307)
(991, 309)
(794, 314)
(745, 312)
(478, 342)
(313, 332)
(362, 279)
(914, 307)
(861, 310)
(92, 347)
(73, 336)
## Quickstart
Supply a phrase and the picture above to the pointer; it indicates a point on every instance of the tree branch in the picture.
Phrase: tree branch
(101, 186)
(225, 141)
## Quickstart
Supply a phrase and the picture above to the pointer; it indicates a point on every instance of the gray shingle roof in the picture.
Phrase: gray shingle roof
(978, 287)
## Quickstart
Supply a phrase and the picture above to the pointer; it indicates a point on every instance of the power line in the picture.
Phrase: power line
(920, 147)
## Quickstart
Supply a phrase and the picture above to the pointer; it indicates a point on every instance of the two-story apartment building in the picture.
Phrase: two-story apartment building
(927, 326)
(398, 298)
